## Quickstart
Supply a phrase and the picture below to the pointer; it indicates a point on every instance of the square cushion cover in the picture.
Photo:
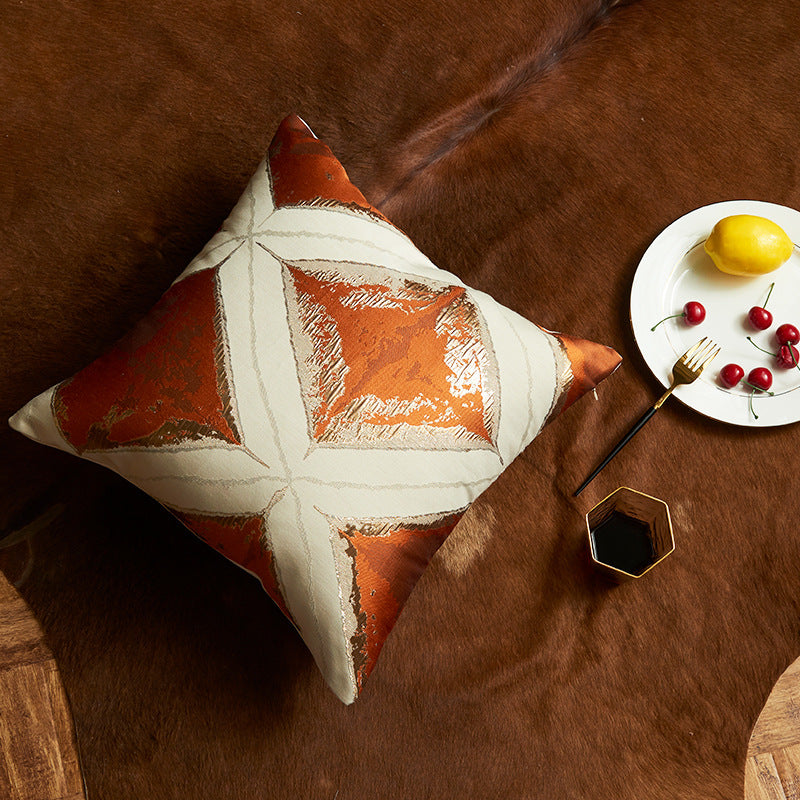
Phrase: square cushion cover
(317, 401)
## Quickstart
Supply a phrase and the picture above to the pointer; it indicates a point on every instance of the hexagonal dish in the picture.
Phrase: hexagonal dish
(629, 533)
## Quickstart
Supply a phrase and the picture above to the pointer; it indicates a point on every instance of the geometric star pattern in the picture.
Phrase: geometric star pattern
(163, 383)
(383, 559)
(318, 402)
(385, 360)
(245, 540)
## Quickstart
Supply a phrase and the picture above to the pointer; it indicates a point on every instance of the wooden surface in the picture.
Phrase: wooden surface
(38, 755)
(773, 756)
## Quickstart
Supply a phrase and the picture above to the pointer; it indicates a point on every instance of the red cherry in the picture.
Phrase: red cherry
(694, 313)
(787, 334)
(760, 378)
(730, 375)
(760, 318)
(787, 357)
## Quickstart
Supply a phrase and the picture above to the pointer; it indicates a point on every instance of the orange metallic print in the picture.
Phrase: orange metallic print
(304, 171)
(386, 360)
(385, 559)
(243, 539)
(164, 383)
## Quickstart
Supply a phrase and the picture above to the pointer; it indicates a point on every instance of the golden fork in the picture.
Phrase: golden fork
(687, 369)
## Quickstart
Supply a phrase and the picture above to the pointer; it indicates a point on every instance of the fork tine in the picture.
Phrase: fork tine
(709, 359)
(691, 351)
(701, 357)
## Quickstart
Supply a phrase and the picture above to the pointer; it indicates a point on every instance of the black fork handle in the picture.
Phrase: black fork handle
(637, 426)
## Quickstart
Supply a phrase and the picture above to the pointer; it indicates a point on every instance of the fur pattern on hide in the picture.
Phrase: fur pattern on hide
(535, 150)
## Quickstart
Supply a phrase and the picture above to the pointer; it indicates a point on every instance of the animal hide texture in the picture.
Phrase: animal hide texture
(533, 149)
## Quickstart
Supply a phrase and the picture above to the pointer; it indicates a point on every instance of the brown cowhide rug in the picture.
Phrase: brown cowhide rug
(535, 149)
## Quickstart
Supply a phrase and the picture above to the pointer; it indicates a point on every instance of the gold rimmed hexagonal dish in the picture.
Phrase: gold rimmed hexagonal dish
(629, 533)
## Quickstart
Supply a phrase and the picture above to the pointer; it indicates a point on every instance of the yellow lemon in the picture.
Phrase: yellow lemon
(748, 245)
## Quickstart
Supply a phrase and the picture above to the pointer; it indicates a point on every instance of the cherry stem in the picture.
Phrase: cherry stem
(758, 388)
(768, 352)
(750, 402)
(671, 316)
(771, 287)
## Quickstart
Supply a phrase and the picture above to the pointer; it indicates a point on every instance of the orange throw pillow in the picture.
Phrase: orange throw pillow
(317, 401)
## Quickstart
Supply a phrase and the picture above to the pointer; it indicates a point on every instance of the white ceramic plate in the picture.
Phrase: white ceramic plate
(676, 269)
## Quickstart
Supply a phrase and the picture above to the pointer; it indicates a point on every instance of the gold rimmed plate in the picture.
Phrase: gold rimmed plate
(676, 269)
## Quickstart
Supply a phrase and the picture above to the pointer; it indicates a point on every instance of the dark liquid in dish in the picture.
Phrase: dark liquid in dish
(624, 543)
